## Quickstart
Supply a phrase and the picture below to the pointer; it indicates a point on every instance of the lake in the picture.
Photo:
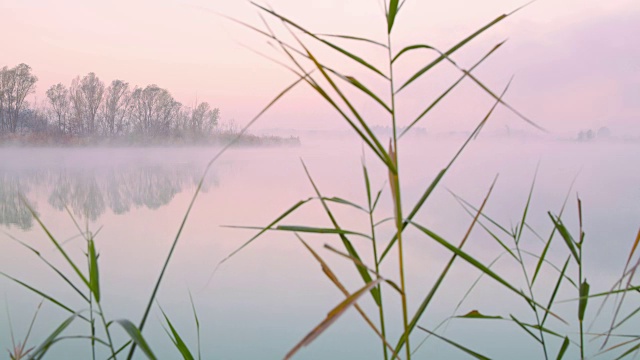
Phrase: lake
(262, 301)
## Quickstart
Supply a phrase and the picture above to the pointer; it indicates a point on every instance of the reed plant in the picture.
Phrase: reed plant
(557, 339)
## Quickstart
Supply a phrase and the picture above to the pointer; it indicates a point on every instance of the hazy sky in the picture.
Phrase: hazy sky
(576, 62)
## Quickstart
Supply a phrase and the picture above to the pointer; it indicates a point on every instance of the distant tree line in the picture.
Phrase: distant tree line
(89, 107)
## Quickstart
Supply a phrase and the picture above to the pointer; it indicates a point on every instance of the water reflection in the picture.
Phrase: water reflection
(90, 192)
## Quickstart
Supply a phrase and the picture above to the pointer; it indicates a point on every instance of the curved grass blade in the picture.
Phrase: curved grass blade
(51, 266)
(48, 297)
(356, 38)
(333, 315)
(137, 338)
(338, 200)
(316, 37)
(41, 350)
(555, 290)
(177, 340)
(364, 273)
(439, 177)
(460, 347)
(353, 81)
(450, 51)
(427, 300)
(266, 228)
(55, 242)
(334, 279)
(453, 86)
(195, 316)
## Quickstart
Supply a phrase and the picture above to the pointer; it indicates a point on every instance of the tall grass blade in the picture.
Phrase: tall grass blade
(333, 315)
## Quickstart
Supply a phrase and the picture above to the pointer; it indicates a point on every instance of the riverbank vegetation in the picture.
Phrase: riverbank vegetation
(90, 112)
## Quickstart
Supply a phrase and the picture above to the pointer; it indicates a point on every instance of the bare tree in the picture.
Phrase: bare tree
(154, 111)
(15, 84)
(58, 96)
(203, 119)
(115, 107)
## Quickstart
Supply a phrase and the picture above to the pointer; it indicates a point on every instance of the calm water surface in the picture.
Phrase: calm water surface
(266, 298)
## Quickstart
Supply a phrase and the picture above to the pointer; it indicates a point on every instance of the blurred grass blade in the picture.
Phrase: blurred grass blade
(334, 279)
(363, 271)
(51, 266)
(427, 300)
(135, 335)
(450, 51)
(50, 298)
(41, 350)
(266, 228)
(195, 316)
(177, 340)
(563, 348)
(391, 16)
(460, 347)
(356, 38)
(435, 182)
(555, 290)
(472, 261)
(359, 85)
(338, 200)
(370, 135)
(333, 315)
(522, 325)
(55, 242)
(314, 36)
(94, 275)
(316, 230)
(193, 200)
(453, 86)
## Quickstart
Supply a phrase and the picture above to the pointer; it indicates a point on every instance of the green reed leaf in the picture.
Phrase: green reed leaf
(94, 275)
(393, 12)
(177, 340)
(135, 335)
(563, 348)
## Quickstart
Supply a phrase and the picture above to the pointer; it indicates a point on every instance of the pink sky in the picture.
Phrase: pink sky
(575, 62)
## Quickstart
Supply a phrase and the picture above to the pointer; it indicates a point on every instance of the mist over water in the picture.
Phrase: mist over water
(262, 301)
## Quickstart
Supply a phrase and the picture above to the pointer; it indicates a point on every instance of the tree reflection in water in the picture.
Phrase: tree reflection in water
(89, 192)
